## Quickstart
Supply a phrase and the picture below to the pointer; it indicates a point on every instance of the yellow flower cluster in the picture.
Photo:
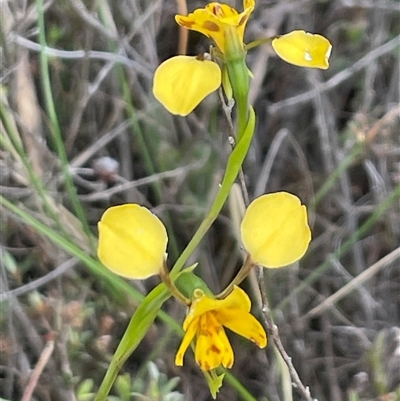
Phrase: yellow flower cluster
(182, 82)
(275, 233)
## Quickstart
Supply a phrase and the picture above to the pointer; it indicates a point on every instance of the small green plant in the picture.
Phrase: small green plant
(155, 387)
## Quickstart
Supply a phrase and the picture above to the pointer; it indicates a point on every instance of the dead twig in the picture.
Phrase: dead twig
(274, 334)
(42, 362)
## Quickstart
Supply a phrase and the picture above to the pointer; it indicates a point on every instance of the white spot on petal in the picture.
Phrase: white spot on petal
(307, 56)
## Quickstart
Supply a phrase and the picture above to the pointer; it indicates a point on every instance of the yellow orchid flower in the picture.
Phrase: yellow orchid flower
(303, 49)
(275, 230)
(205, 323)
(182, 82)
(132, 241)
(220, 22)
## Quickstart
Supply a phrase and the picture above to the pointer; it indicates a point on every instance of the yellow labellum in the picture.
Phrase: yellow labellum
(205, 324)
(182, 82)
(132, 241)
(303, 49)
(275, 230)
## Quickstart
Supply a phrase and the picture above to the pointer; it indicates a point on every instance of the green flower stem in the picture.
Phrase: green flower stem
(235, 61)
(241, 275)
(233, 167)
(141, 320)
(240, 81)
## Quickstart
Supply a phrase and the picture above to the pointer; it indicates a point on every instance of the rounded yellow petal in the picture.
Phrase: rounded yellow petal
(303, 49)
(275, 230)
(182, 82)
(132, 241)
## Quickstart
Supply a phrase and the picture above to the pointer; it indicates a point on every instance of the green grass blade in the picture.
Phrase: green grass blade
(55, 127)
(140, 323)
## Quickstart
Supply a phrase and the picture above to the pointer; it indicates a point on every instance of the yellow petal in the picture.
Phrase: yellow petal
(275, 230)
(244, 324)
(187, 339)
(303, 49)
(237, 299)
(182, 82)
(219, 22)
(212, 346)
(132, 241)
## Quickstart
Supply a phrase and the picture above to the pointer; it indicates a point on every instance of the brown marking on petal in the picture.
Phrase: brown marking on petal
(214, 349)
(204, 366)
(243, 20)
(204, 332)
(211, 26)
(217, 10)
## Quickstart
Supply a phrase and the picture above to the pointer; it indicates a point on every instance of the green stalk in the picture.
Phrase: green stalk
(233, 167)
(55, 128)
(15, 147)
(141, 320)
(239, 78)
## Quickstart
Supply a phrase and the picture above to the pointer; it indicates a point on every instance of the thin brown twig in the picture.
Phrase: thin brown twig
(42, 362)
(272, 330)
(183, 32)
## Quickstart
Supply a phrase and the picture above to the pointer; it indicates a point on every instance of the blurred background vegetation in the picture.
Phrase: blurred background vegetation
(81, 131)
